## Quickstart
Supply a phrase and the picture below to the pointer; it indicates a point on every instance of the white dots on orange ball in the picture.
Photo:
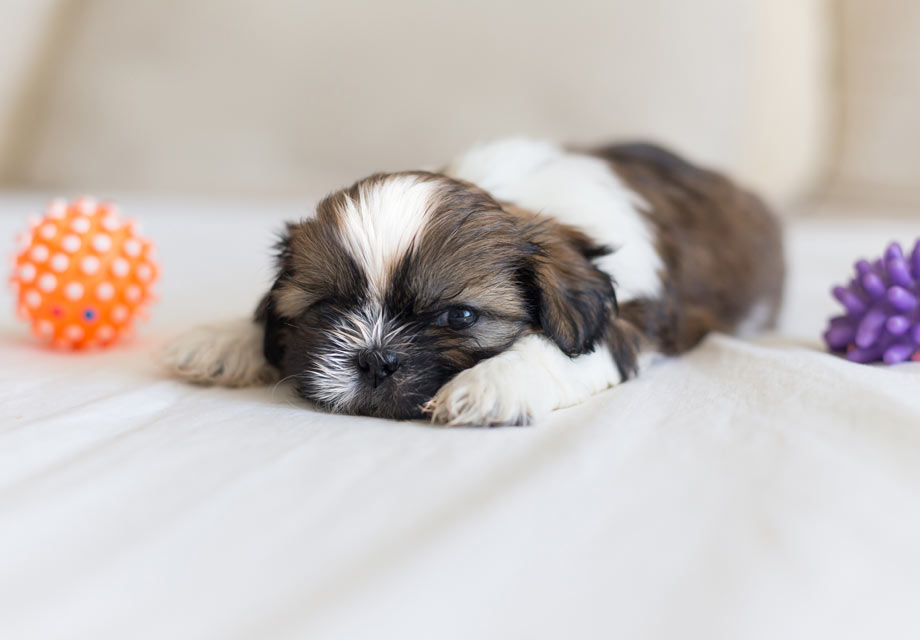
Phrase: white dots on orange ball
(144, 272)
(101, 242)
(82, 276)
(39, 253)
(47, 282)
(27, 272)
(59, 262)
(71, 243)
(120, 267)
(73, 291)
(120, 314)
(89, 265)
(132, 248)
(57, 209)
(44, 328)
(105, 333)
(32, 298)
(105, 291)
(80, 225)
(74, 332)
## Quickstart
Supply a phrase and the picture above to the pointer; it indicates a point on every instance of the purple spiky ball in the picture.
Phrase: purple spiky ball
(882, 303)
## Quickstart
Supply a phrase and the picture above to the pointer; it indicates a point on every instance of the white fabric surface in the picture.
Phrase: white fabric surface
(756, 489)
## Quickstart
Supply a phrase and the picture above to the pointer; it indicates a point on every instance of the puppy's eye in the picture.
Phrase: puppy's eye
(457, 318)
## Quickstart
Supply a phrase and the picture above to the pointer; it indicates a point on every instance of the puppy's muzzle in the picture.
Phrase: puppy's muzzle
(376, 365)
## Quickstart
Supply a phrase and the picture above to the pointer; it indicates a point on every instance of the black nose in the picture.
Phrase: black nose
(375, 365)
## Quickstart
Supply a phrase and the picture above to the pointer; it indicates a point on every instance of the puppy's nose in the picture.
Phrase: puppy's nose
(375, 365)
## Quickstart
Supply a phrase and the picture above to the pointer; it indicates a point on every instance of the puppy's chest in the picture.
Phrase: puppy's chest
(577, 190)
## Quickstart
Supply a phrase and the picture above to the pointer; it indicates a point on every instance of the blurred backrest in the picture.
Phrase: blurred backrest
(879, 134)
(26, 28)
(283, 96)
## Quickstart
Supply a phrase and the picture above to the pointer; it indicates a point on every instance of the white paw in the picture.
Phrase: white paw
(522, 385)
(498, 391)
(228, 354)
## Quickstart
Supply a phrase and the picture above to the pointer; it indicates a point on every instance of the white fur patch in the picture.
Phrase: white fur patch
(578, 190)
(384, 223)
(227, 354)
(756, 320)
(334, 378)
(522, 385)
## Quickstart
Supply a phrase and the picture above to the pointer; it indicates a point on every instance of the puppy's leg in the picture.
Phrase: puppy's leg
(228, 354)
(522, 385)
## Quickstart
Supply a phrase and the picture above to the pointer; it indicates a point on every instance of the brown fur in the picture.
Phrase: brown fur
(521, 272)
(576, 299)
(721, 246)
(517, 270)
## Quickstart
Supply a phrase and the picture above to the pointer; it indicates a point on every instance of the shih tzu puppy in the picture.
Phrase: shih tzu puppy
(524, 277)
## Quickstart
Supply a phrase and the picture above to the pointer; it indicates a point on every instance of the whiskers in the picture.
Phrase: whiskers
(333, 379)
(284, 379)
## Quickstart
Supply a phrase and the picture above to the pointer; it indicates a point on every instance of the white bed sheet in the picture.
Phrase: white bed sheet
(757, 489)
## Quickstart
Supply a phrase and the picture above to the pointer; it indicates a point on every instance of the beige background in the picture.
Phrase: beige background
(879, 99)
(807, 100)
(285, 97)
(768, 492)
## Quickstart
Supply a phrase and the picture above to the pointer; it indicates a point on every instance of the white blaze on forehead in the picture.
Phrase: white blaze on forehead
(384, 223)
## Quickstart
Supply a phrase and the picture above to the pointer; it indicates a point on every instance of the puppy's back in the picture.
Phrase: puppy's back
(720, 244)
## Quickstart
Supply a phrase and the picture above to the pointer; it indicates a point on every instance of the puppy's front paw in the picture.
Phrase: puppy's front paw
(494, 392)
(229, 355)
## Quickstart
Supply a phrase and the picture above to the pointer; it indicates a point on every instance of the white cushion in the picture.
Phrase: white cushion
(299, 97)
(880, 101)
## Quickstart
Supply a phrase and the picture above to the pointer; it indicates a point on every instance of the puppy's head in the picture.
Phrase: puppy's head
(403, 280)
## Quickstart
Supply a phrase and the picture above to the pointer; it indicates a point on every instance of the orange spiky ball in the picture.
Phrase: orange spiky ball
(82, 275)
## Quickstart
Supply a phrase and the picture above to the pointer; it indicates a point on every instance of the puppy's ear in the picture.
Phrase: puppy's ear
(573, 299)
(267, 314)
